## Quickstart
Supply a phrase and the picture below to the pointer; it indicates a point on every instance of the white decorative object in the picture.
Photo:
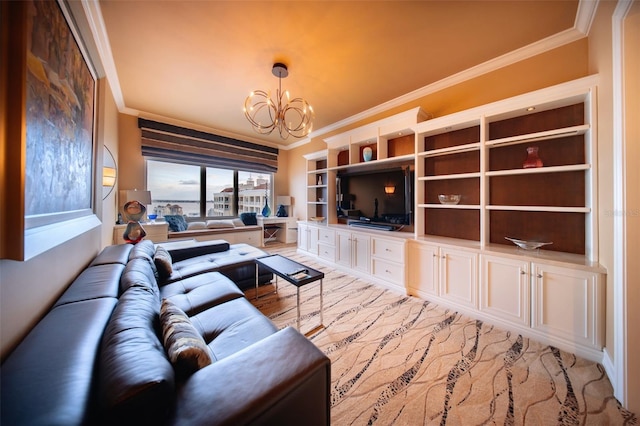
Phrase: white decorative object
(367, 153)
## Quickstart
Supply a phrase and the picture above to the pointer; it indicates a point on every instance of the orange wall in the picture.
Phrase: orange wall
(563, 64)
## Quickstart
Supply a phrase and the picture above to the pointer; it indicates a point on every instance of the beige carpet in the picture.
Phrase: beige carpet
(401, 360)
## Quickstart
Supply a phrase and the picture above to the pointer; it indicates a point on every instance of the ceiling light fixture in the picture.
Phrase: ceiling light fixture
(290, 116)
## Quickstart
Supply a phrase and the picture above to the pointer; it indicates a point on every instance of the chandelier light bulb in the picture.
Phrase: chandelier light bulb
(289, 117)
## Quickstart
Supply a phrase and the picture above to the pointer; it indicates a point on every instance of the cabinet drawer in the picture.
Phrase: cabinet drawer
(326, 251)
(327, 236)
(388, 271)
(388, 249)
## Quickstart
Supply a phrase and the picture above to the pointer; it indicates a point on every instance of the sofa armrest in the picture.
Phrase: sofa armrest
(283, 379)
(196, 249)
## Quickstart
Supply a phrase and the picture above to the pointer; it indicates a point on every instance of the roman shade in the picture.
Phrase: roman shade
(175, 143)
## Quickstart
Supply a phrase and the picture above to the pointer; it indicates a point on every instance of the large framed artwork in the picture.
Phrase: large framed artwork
(57, 126)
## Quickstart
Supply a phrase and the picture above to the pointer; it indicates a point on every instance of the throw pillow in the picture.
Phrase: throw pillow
(177, 223)
(196, 225)
(249, 218)
(185, 347)
(237, 222)
(163, 262)
(219, 224)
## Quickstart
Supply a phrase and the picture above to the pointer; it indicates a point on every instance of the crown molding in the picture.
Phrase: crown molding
(582, 24)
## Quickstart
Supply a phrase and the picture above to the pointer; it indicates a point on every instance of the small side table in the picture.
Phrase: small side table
(294, 273)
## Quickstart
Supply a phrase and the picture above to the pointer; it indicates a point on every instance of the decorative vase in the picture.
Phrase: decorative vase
(266, 211)
(367, 153)
(532, 158)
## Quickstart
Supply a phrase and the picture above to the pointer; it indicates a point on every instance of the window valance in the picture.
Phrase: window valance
(175, 143)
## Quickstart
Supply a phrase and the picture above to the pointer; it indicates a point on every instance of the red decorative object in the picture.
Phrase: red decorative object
(532, 158)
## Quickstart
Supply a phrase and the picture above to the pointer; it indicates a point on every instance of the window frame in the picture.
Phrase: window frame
(203, 187)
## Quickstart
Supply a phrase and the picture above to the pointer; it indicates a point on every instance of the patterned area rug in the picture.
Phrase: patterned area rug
(401, 360)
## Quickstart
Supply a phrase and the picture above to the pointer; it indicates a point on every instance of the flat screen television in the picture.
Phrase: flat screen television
(363, 201)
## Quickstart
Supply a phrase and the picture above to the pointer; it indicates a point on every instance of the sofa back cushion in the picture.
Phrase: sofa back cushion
(136, 380)
(48, 379)
(139, 273)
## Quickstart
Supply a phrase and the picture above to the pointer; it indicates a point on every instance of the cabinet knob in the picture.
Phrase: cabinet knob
(522, 272)
(539, 275)
(435, 255)
(444, 256)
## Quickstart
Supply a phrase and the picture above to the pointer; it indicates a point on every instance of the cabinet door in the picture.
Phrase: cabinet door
(343, 248)
(504, 288)
(303, 237)
(423, 268)
(361, 252)
(567, 303)
(458, 276)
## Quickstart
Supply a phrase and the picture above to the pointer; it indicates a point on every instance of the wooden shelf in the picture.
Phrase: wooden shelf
(450, 206)
(540, 209)
(450, 150)
(452, 176)
(552, 169)
(540, 136)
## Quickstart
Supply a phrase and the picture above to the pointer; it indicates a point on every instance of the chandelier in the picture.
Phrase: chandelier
(289, 116)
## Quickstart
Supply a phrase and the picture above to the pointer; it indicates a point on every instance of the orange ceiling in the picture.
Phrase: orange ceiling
(196, 61)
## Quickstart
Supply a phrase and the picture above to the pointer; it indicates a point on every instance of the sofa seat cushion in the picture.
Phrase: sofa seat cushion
(232, 326)
(93, 283)
(195, 294)
(185, 347)
(48, 378)
(113, 254)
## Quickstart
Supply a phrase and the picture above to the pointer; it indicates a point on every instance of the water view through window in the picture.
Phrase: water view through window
(177, 188)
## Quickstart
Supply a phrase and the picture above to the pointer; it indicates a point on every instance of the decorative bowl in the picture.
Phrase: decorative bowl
(317, 218)
(449, 198)
(527, 245)
(321, 200)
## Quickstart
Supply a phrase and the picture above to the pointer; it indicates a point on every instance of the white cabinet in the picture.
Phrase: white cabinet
(353, 250)
(505, 289)
(568, 303)
(448, 273)
(387, 260)
(308, 238)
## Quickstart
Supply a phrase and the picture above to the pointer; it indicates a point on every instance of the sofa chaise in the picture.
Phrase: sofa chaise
(123, 346)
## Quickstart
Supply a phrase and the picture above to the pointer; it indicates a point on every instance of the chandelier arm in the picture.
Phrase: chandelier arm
(259, 104)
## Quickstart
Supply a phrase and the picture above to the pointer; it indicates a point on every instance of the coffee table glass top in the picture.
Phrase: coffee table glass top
(293, 272)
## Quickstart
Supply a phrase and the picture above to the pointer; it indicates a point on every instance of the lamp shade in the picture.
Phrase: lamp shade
(283, 200)
(144, 197)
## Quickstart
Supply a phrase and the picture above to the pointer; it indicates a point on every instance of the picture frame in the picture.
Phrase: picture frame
(50, 93)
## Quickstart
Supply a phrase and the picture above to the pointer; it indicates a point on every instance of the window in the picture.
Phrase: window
(200, 191)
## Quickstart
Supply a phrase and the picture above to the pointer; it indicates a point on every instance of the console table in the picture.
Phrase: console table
(288, 232)
(156, 232)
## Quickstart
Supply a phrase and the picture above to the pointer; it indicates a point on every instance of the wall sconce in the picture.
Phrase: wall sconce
(108, 176)
(109, 173)
(389, 189)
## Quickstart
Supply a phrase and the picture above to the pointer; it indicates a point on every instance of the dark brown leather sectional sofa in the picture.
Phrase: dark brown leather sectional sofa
(97, 356)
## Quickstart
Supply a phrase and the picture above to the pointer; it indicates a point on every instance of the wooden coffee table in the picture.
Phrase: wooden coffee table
(294, 273)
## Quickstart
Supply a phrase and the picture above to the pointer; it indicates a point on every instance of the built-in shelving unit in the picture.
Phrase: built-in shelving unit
(318, 190)
(479, 154)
